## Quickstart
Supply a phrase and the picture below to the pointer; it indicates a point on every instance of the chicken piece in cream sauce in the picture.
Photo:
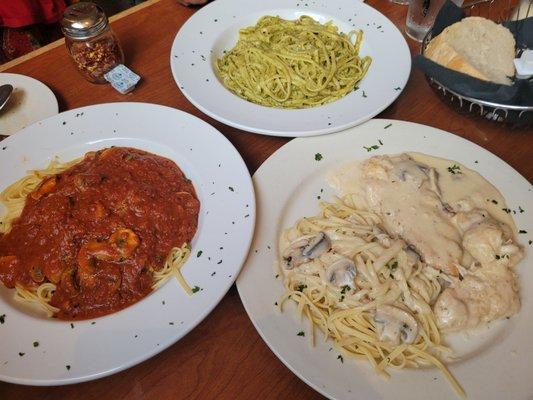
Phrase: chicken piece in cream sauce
(454, 219)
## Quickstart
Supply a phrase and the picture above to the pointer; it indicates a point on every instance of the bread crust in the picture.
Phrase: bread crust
(442, 53)
(475, 31)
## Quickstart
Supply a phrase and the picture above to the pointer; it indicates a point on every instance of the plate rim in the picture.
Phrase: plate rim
(143, 356)
(300, 373)
(204, 12)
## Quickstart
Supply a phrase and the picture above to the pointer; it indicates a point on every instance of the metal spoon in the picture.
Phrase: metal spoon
(5, 94)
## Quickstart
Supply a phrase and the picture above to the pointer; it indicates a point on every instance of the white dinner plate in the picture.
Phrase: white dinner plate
(214, 28)
(495, 363)
(98, 347)
(31, 101)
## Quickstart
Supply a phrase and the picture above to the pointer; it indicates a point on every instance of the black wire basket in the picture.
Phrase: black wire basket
(513, 115)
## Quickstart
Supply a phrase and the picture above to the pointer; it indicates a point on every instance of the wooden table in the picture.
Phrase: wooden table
(224, 357)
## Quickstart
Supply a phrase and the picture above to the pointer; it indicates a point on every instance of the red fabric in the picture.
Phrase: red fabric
(17, 13)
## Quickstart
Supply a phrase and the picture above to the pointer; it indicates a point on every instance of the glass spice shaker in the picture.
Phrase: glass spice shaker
(93, 46)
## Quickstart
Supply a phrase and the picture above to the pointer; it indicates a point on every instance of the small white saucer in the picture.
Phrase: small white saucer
(31, 101)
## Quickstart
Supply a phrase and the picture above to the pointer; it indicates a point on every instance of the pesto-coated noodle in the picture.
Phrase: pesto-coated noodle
(293, 64)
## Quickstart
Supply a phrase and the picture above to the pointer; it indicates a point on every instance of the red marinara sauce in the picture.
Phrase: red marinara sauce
(99, 229)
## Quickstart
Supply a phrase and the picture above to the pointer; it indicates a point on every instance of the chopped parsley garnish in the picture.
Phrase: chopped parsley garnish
(171, 323)
(277, 276)
(21, 354)
(195, 289)
(454, 169)
(339, 357)
(370, 148)
(530, 242)
(301, 287)
(199, 253)
(2, 318)
(318, 157)
(387, 126)
(71, 325)
(344, 289)
(276, 303)
(522, 231)
(497, 256)
(398, 88)
(92, 323)
(67, 367)
(507, 210)
(35, 344)
(301, 333)
(364, 94)
(380, 142)
(520, 209)
(230, 188)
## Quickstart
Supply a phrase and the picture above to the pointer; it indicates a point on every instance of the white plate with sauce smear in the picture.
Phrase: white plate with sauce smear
(70, 353)
(495, 362)
(215, 28)
(31, 101)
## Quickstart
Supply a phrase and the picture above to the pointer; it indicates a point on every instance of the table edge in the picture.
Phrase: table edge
(60, 42)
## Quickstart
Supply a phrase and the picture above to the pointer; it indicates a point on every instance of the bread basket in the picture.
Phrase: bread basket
(513, 115)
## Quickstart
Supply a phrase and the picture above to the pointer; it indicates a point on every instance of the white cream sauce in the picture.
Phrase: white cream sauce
(467, 185)
(454, 219)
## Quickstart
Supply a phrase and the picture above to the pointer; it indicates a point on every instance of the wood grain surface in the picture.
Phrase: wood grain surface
(224, 357)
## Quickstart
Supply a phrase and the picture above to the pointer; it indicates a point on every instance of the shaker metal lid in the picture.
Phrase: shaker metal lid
(83, 20)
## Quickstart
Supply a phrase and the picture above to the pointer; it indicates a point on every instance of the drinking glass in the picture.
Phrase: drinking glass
(421, 16)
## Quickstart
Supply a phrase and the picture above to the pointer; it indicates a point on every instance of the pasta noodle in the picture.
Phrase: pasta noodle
(172, 267)
(293, 64)
(387, 275)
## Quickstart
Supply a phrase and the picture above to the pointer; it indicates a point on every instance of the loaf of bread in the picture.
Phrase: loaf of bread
(476, 46)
